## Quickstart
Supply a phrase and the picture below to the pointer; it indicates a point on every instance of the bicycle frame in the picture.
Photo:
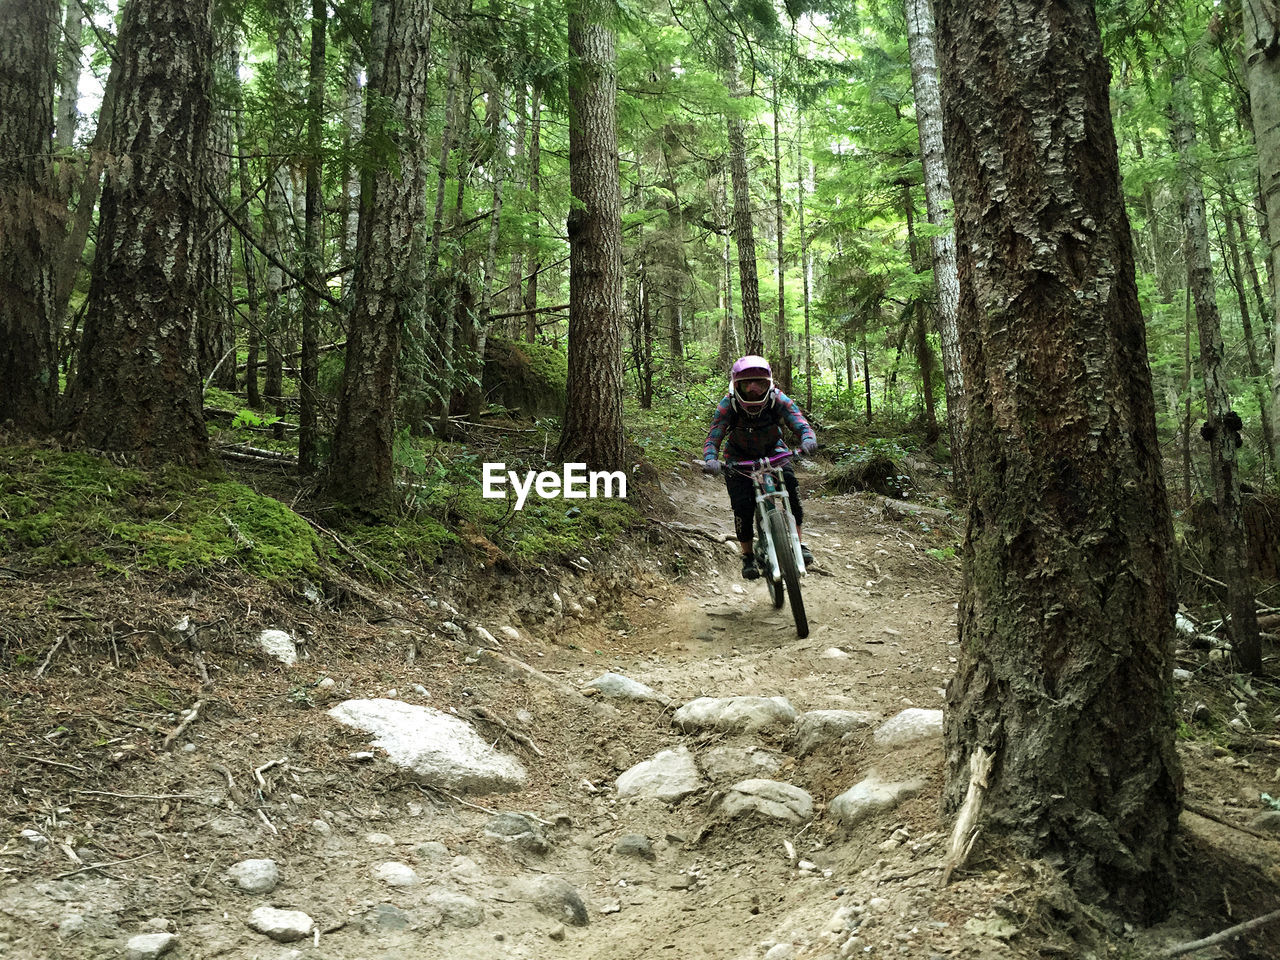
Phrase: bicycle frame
(771, 494)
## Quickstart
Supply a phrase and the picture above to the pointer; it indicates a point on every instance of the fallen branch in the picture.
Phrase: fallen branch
(187, 719)
(234, 792)
(481, 714)
(1208, 814)
(259, 771)
(51, 763)
(967, 829)
(688, 531)
(48, 657)
(145, 796)
(1238, 930)
(101, 866)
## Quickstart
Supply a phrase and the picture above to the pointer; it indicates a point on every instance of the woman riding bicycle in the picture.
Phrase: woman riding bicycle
(749, 422)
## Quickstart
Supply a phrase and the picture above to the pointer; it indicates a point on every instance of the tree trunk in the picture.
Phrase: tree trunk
(312, 247)
(497, 167)
(515, 286)
(137, 388)
(937, 196)
(69, 78)
(784, 352)
(390, 281)
(351, 177)
(1262, 65)
(1066, 613)
(535, 189)
(28, 66)
(216, 333)
(1222, 430)
(249, 260)
(593, 415)
(743, 227)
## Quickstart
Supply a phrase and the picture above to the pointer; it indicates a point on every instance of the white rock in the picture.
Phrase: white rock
(727, 762)
(71, 925)
(817, 727)
(557, 604)
(909, 726)
(1180, 674)
(511, 633)
(769, 798)
(380, 839)
(147, 946)
(624, 688)
(255, 876)
(322, 828)
(735, 714)
(278, 644)
(455, 909)
(437, 747)
(395, 874)
(781, 951)
(487, 639)
(834, 653)
(871, 796)
(737, 588)
(669, 775)
(328, 683)
(283, 926)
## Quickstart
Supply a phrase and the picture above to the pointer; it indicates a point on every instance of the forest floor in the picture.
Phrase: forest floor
(108, 833)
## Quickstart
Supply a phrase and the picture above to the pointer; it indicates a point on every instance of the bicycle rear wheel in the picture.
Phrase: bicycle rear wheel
(790, 570)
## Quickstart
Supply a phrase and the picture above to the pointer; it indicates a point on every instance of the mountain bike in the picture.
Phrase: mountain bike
(777, 546)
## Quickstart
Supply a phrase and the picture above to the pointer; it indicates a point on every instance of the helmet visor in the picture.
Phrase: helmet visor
(753, 389)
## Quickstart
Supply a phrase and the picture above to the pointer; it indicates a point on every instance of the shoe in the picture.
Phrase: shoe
(806, 555)
(749, 569)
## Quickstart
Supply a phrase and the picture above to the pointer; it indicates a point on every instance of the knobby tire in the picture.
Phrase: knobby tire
(790, 571)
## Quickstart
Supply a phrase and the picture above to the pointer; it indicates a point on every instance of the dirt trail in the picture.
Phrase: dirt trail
(883, 639)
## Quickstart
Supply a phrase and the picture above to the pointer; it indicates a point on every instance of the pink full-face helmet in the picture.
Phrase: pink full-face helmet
(751, 382)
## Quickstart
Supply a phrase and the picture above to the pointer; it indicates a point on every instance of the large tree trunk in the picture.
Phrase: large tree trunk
(593, 415)
(312, 247)
(937, 196)
(1223, 427)
(28, 65)
(390, 281)
(743, 227)
(1262, 64)
(137, 388)
(1066, 613)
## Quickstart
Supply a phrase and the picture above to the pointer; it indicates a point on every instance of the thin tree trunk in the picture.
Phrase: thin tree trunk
(390, 281)
(593, 431)
(28, 361)
(73, 30)
(743, 228)
(249, 261)
(312, 247)
(351, 178)
(937, 195)
(137, 387)
(497, 166)
(784, 353)
(535, 190)
(515, 292)
(1222, 429)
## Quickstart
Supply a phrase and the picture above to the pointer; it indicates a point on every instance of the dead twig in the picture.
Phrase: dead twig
(145, 796)
(1208, 814)
(1238, 930)
(481, 714)
(259, 771)
(48, 657)
(233, 791)
(188, 718)
(51, 763)
(101, 866)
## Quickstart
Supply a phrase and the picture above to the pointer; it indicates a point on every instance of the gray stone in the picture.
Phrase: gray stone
(432, 850)
(519, 830)
(255, 876)
(768, 798)
(781, 951)
(511, 633)
(634, 845)
(669, 775)
(71, 925)
(555, 897)
(385, 917)
(818, 727)
(727, 762)
(455, 909)
(909, 726)
(735, 714)
(283, 926)
(380, 839)
(438, 747)
(395, 874)
(624, 688)
(871, 796)
(278, 644)
(148, 946)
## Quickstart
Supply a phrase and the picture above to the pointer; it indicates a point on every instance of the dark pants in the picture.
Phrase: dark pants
(742, 496)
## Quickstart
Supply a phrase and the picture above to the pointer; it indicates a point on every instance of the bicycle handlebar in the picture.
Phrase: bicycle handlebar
(771, 461)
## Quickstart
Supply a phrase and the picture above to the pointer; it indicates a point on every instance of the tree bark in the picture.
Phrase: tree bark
(535, 191)
(390, 281)
(312, 246)
(28, 225)
(137, 388)
(593, 416)
(743, 227)
(1066, 613)
(1262, 67)
(69, 78)
(784, 353)
(1222, 430)
(497, 168)
(937, 195)
(249, 261)
(351, 178)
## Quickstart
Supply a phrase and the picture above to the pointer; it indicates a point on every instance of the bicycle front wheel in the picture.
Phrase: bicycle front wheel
(790, 570)
(776, 591)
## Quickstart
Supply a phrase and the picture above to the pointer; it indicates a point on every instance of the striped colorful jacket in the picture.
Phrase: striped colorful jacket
(751, 438)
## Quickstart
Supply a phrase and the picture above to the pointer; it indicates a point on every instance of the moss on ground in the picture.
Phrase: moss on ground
(60, 509)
